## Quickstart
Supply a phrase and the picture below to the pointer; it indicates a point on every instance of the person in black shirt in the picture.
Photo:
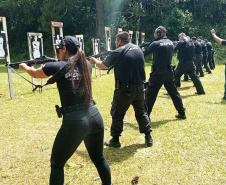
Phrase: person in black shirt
(210, 54)
(198, 57)
(186, 54)
(128, 62)
(81, 119)
(205, 54)
(223, 42)
(162, 72)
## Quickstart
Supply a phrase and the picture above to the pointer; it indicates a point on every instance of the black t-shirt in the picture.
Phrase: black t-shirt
(162, 49)
(223, 42)
(198, 48)
(64, 85)
(209, 46)
(186, 49)
(130, 69)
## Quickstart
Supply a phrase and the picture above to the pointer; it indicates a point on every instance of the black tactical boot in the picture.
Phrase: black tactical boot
(113, 143)
(181, 116)
(148, 140)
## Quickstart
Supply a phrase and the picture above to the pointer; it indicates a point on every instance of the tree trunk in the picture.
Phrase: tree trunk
(99, 18)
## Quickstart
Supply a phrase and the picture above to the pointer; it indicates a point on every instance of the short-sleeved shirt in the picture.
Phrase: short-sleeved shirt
(130, 68)
(223, 42)
(64, 84)
(162, 49)
(198, 48)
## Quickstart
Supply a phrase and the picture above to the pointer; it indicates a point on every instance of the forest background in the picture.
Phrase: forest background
(89, 17)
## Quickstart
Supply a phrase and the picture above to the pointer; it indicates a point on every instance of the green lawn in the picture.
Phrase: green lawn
(191, 151)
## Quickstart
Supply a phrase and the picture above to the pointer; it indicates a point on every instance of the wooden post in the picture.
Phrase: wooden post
(108, 38)
(35, 47)
(7, 55)
(56, 38)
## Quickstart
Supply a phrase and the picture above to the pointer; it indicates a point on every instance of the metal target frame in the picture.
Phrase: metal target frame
(81, 41)
(55, 25)
(96, 50)
(120, 30)
(142, 37)
(7, 56)
(131, 35)
(108, 37)
(137, 37)
(30, 36)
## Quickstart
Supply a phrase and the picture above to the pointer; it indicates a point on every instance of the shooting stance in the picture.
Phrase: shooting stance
(186, 55)
(81, 118)
(222, 42)
(128, 62)
(162, 72)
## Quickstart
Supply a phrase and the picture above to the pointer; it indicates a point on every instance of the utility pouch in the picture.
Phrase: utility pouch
(59, 113)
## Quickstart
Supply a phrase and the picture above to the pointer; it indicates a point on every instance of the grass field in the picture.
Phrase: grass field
(185, 152)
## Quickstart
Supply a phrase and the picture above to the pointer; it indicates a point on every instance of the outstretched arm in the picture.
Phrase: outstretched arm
(98, 63)
(35, 73)
(216, 38)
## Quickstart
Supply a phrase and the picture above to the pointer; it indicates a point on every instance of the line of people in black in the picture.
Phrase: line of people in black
(81, 119)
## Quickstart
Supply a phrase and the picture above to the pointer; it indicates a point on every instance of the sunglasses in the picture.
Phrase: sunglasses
(57, 50)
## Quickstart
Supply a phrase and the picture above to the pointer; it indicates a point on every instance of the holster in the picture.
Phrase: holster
(63, 110)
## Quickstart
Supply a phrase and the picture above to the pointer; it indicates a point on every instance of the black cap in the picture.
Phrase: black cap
(194, 38)
(71, 43)
(181, 34)
(200, 37)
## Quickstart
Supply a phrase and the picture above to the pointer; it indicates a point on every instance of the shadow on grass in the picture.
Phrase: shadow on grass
(162, 122)
(214, 102)
(168, 96)
(114, 155)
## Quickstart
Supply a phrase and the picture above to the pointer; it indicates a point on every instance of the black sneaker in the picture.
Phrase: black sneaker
(180, 116)
(148, 140)
(113, 143)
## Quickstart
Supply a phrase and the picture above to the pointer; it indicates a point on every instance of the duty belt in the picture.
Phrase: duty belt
(63, 110)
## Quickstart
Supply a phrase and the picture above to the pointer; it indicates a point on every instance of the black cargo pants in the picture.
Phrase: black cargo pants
(125, 96)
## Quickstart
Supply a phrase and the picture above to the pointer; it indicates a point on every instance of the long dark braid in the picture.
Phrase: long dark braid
(82, 85)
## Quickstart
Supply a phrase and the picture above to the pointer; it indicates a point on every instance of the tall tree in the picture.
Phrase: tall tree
(99, 18)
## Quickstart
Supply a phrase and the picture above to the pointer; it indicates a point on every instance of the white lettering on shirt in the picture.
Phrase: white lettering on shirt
(166, 43)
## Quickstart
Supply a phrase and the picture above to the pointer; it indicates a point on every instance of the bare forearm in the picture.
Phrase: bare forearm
(35, 73)
(217, 39)
(98, 63)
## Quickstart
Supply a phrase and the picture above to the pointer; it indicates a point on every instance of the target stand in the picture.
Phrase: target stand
(57, 35)
(96, 50)
(35, 47)
(4, 52)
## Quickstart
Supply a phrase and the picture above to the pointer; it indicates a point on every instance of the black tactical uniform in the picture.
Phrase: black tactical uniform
(186, 54)
(162, 74)
(205, 56)
(210, 54)
(198, 58)
(129, 90)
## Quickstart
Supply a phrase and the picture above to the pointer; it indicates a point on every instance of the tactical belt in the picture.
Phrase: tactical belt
(63, 110)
